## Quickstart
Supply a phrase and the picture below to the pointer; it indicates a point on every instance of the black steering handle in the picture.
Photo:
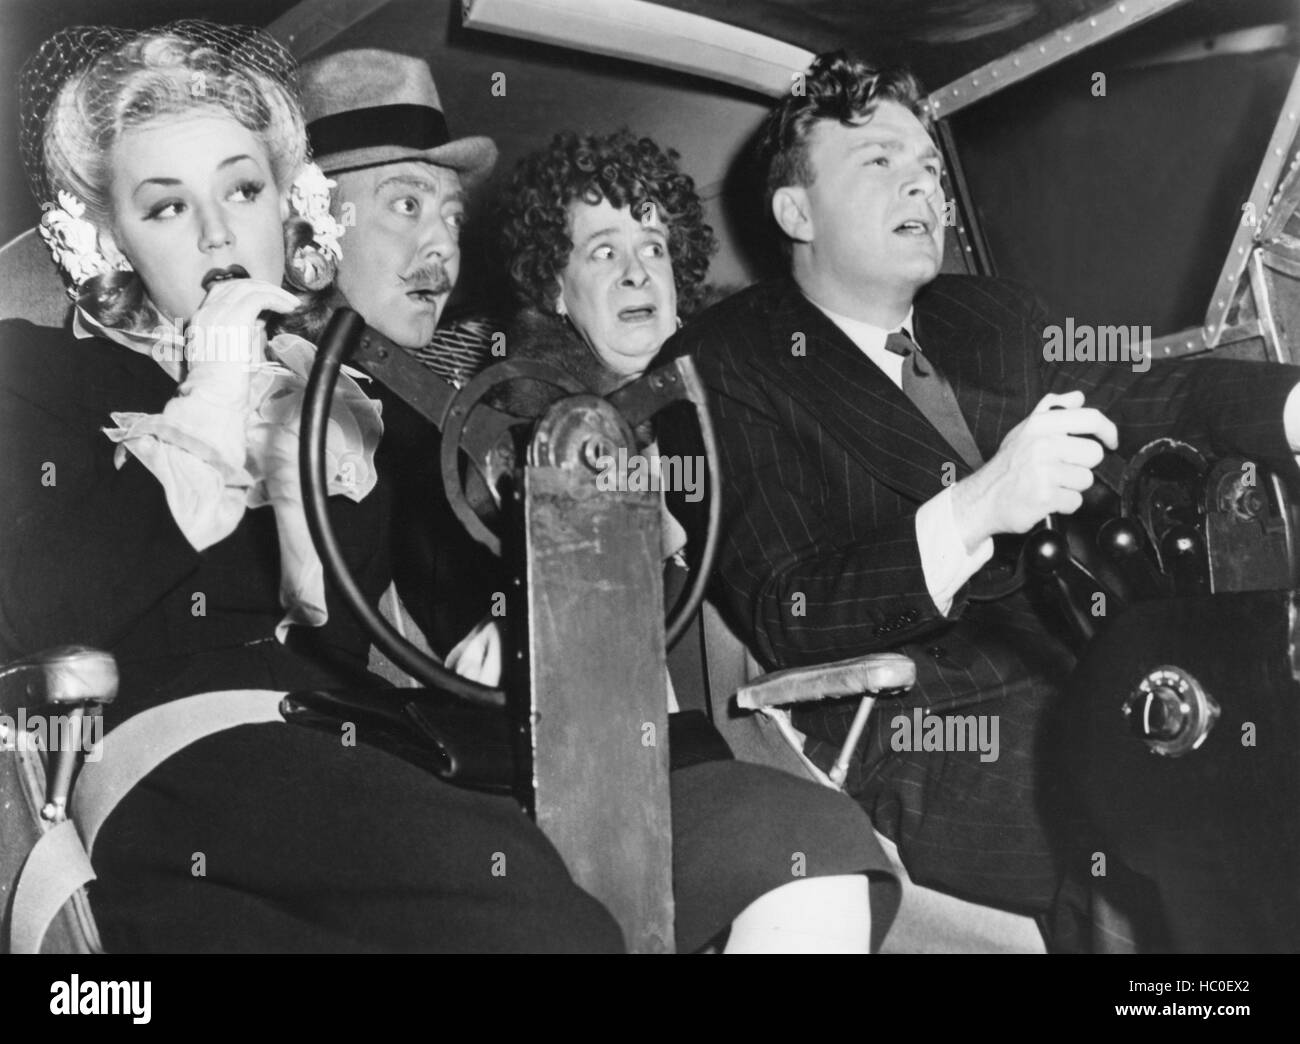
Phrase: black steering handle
(341, 337)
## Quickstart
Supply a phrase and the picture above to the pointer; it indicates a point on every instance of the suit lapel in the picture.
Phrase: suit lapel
(855, 403)
(967, 346)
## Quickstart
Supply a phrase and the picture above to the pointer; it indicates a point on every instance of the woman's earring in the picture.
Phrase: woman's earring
(679, 322)
(560, 307)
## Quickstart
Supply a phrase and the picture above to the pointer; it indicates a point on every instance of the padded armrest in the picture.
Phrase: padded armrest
(67, 676)
(74, 679)
(875, 673)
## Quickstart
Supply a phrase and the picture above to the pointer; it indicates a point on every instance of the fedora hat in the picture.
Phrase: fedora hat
(368, 107)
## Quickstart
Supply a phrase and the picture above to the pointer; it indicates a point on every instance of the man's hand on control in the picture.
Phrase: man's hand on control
(1042, 467)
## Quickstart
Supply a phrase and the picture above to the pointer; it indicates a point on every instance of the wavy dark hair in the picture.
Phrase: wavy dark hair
(837, 86)
(621, 168)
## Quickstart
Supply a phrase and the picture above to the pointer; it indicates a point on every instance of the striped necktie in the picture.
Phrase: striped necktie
(931, 393)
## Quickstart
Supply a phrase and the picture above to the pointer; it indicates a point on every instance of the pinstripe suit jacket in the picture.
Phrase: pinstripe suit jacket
(825, 461)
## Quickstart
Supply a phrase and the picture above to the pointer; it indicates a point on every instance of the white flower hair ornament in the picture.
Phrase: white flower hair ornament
(74, 243)
(312, 266)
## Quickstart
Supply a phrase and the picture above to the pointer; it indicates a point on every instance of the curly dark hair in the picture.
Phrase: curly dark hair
(837, 86)
(621, 168)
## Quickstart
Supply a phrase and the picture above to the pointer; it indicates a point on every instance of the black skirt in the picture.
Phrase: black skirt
(275, 838)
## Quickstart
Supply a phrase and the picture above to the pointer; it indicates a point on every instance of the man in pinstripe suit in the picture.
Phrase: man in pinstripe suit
(861, 509)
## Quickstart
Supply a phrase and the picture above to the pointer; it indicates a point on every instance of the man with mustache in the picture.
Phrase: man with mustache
(377, 129)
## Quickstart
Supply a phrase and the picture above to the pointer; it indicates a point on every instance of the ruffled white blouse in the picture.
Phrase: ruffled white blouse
(216, 458)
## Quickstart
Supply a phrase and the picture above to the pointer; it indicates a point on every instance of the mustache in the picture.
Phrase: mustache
(433, 278)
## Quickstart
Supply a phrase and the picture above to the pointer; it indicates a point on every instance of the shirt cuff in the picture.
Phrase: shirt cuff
(945, 562)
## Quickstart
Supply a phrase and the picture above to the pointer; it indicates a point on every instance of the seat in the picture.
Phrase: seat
(58, 692)
(749, 710)
(31, 285)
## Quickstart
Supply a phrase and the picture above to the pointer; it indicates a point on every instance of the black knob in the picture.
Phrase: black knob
(1121, 538)
(1183, 553)
(1046, 552)
(1124, 543)
(1181, 542)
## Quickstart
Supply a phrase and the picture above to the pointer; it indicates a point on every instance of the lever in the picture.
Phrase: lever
(1183, 552)
(1124, 543)
(1047, 555)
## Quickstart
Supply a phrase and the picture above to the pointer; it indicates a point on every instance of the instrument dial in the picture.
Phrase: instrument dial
(1170, 711)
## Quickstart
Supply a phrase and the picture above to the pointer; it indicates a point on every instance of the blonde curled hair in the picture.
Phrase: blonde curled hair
(88, 86)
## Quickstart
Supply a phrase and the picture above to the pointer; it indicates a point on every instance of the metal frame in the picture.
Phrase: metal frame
(1044, 52)
(309, 26)
(648, 33)
(1268, 325)
(1248, 233)
(975, 252)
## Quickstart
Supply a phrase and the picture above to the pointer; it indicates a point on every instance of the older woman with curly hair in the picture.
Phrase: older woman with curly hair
(608, 245)
(608, 234)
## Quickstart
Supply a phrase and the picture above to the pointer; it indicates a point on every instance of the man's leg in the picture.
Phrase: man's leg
(958, 772)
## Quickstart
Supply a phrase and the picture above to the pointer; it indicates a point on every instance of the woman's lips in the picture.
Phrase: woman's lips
(220, 275)
(640, 314)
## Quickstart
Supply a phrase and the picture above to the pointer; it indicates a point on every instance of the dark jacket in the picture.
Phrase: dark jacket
(825, 461)
(89, 553)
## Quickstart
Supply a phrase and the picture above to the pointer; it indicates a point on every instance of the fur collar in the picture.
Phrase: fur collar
(541, 336)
